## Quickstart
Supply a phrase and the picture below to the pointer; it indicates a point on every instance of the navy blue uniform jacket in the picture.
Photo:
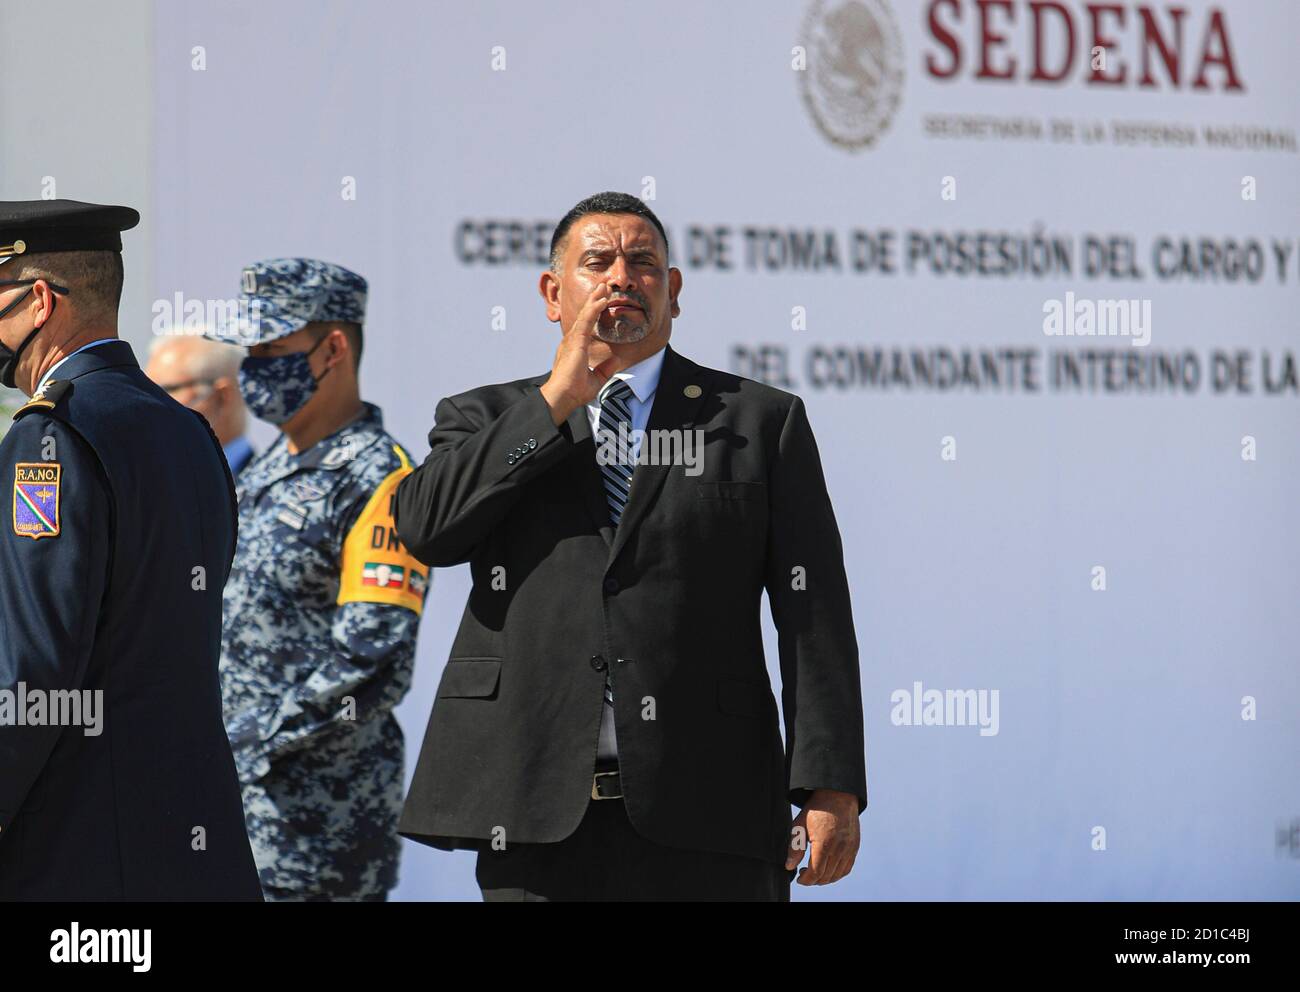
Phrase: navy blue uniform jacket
(116, 777)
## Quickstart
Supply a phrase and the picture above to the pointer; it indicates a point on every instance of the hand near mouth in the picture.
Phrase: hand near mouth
(572, 383)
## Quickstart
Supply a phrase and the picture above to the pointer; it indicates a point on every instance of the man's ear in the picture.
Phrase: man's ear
(549, 286)
(674, 289)
(338, 349)
(43, 301)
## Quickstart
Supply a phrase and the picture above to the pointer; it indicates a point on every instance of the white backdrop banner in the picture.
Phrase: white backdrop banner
(1034, 268)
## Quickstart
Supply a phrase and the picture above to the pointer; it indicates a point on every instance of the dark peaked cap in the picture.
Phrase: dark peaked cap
(31, 226)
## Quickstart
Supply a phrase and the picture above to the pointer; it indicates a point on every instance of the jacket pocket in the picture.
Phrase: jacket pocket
(470, 678)
(742, 698)
(731, 489)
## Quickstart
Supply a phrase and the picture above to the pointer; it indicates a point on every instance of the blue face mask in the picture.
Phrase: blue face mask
(277, 388)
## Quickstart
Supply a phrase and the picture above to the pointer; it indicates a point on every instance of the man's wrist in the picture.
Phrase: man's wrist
(834, 797)
(560, 404)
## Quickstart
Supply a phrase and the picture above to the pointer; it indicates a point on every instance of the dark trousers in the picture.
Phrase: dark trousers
(605, 859)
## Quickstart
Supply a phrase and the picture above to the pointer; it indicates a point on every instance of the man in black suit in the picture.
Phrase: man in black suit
(605, 727)
(116, 776)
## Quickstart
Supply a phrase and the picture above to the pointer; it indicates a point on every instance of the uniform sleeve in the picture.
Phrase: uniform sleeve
(821, 688)
(54, 560)
(373, 631)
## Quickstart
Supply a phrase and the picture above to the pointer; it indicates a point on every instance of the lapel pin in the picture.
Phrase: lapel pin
(692, 392)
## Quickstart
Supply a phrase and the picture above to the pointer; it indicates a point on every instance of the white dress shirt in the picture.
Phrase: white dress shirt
(643, 378)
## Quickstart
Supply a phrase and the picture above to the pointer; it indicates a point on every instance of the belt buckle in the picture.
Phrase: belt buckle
(595, 791)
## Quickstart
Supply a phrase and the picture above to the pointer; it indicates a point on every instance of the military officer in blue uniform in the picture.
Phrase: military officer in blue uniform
(116, 777)
(323, 603)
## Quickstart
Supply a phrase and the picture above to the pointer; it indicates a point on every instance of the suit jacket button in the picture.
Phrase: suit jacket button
(597, 662)
(510, 459)
(532, 443)
(611, 584)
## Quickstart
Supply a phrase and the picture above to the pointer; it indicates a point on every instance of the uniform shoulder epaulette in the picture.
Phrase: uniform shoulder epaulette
(46, 397)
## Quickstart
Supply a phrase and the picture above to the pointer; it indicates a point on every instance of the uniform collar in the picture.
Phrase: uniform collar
(108, 352)
(344, 444)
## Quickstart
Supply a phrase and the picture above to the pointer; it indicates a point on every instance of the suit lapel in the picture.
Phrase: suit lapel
(673, 409)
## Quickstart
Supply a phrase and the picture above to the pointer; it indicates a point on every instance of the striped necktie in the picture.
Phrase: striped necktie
(615, 413)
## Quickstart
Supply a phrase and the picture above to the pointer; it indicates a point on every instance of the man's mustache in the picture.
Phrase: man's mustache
(628, 296)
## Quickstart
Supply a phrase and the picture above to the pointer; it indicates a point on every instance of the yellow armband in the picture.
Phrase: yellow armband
(375, 566)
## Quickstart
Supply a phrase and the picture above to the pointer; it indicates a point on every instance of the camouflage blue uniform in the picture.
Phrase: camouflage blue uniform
(321, 612)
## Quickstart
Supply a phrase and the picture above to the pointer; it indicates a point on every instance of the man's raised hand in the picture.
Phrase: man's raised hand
(572, 383)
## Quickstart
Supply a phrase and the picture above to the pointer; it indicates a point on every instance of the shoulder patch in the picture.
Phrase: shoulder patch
(375, 566)
(46, 397)
(36, 499)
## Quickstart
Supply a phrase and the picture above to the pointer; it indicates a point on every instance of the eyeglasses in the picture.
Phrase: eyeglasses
(177, 387)
(4, 283)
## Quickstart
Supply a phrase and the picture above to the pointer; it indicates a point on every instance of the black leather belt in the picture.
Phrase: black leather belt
(606, 783)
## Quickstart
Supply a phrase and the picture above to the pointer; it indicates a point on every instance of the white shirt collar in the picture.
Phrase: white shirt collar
(643, 377)
(55, 367)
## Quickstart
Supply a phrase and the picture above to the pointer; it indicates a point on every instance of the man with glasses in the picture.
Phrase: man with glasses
(116, 778)
(203, 375)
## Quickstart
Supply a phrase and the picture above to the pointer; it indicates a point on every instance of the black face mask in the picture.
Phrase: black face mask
(9, 358)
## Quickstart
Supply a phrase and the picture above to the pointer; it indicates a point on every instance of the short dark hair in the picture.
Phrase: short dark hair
(602, 203)
(350, 330)
(93, 278)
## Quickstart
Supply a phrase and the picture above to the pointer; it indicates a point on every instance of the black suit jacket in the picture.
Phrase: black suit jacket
(669, 603)
(102, 593)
